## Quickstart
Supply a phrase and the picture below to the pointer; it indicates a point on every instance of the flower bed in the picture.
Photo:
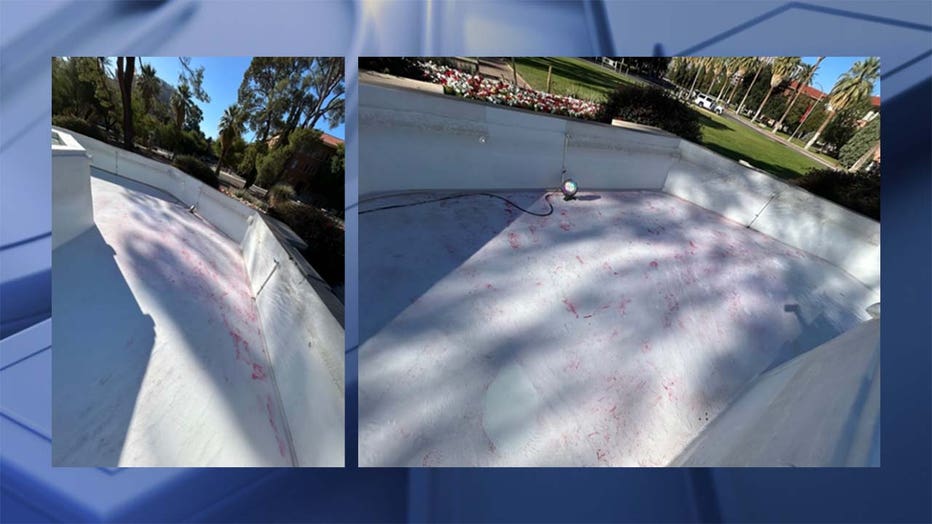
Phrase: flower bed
(500, 92)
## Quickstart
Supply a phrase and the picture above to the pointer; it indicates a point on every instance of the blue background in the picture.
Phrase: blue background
(30, 33)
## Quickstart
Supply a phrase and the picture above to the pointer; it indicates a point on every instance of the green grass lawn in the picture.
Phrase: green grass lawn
(737, 142)
(582, 79)
(572, 76)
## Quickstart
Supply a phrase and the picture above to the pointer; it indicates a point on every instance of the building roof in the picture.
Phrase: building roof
(330, 140)
(815, 94)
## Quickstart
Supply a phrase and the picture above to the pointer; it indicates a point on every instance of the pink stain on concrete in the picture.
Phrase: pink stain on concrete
(514, 240)
(570, 307)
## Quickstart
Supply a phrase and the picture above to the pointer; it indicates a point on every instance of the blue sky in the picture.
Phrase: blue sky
(833, 67)
(222, 77)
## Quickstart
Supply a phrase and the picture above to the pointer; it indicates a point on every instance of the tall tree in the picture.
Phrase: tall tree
(149, 85)
(715, 65)
(126, 72)
(728, 66)
(180, 101)
(760, 67)
(804, 78)
(231, 126)
(852, 87)
(283, 94)
(782, 67)
(742, 65)
(327, 83)
(699, 63)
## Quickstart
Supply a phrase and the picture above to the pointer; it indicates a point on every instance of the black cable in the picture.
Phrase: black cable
(463, 195)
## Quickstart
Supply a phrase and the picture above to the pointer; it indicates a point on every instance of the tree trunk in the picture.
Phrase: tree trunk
(864, 158)
(748, 92)
(735, 89)
(722, 90)
(223, 152)
(828, 118)
(712, 83)
(762, 104)
(693, 86)
(126, 72)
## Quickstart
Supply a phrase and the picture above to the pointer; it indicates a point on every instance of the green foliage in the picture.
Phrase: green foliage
(330, 183)
(860, 143)
(246, 196)
(281, 193)
(304, 140)
(323, 234)
(652, 107)
(280, 95)
(397, 66)
(271, 167)
(197, 169)
(78, 125)
(860, 193)
(83, 87)
(247, 166)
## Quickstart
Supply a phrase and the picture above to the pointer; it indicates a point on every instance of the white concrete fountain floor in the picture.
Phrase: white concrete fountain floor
(158, 354)
(610, 333)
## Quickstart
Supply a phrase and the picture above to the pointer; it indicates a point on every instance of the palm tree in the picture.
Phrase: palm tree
(851, 88)
(231, 126)
(742, 65)
(728, 65)
(180, 101)
(782, 67)
(699, 63)
(715, 64)
(760, 67)
(803, 79)
(149, 85)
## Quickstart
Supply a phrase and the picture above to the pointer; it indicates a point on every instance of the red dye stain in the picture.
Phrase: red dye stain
(623, 306)
(600, 455)
(592, 434)
(565, 226)
(570, 307)
(580, 260)
(653, 264)
(489, 286)
(514, 241)
(268, 410)
(645, 348)
(563, 213)
(258, 372)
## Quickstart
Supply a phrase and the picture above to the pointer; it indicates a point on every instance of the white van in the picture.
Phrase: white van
(707, 102)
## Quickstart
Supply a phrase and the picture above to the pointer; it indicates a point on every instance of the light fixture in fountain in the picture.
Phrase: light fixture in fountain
(569, 188)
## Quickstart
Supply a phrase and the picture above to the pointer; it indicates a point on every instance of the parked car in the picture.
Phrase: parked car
(707, 102)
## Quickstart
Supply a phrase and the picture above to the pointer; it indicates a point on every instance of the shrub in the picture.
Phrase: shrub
(323, 234)
(405, 67)
(197, 169)
(247, 167)
(651, 107)
(78, 125)
(281, 193)
(860, 143)
(270, 168)
(860, 193)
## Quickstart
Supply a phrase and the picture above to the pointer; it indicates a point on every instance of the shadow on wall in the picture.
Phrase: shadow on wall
(467, 316)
